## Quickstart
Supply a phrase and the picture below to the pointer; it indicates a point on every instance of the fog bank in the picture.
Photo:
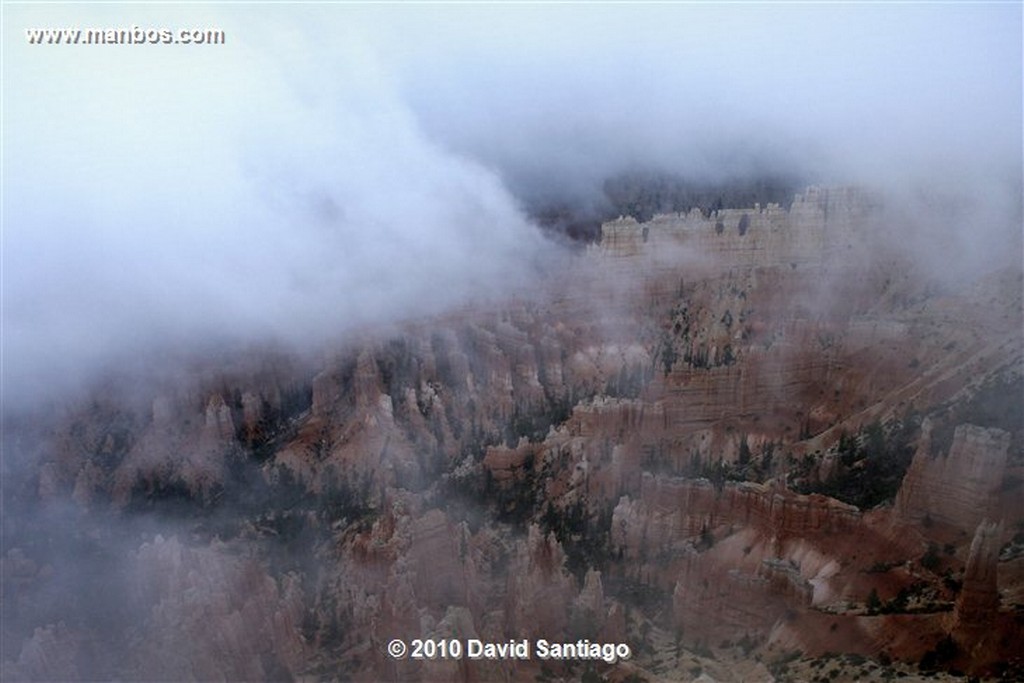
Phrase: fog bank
(337, 165)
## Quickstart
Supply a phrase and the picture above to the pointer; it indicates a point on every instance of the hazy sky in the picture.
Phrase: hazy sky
(333, 164)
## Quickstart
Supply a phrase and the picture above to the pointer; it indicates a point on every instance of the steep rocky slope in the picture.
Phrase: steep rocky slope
(638, 452)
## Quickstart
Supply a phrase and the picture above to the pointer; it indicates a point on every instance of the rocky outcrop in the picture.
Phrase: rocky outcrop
(819, 222)
(540, 590)
(175, 437)
(53, 653)
(711, 602)
(960, 488)
(165, 455)
(736, 559)
(196, 613)
(562, 466)
(673, 514)
(978, 602)
(416, 574)
(214, 615)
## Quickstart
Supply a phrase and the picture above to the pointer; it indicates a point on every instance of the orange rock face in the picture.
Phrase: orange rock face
(613, 458)
(960, 488)
(979, 599)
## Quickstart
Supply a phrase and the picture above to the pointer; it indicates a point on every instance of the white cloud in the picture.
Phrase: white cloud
(336, 164)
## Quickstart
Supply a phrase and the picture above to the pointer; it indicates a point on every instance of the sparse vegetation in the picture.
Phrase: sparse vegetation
(930, 560)
(874, 603)
(585, 538)
(939, 656)
(744, 225)
(882, 567)
(871, 465)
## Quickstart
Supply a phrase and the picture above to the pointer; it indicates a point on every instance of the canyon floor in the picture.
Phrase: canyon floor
(753, 444)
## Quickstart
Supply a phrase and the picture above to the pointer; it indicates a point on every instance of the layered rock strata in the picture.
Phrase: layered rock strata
(565, 466)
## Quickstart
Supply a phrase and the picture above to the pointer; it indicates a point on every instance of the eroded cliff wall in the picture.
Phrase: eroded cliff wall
(615, 457)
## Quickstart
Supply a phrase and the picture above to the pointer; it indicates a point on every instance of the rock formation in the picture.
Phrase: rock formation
(616, 457)
(959, 488)
(978, 601)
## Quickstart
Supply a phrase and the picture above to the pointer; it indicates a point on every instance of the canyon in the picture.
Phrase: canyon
(744, 441)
